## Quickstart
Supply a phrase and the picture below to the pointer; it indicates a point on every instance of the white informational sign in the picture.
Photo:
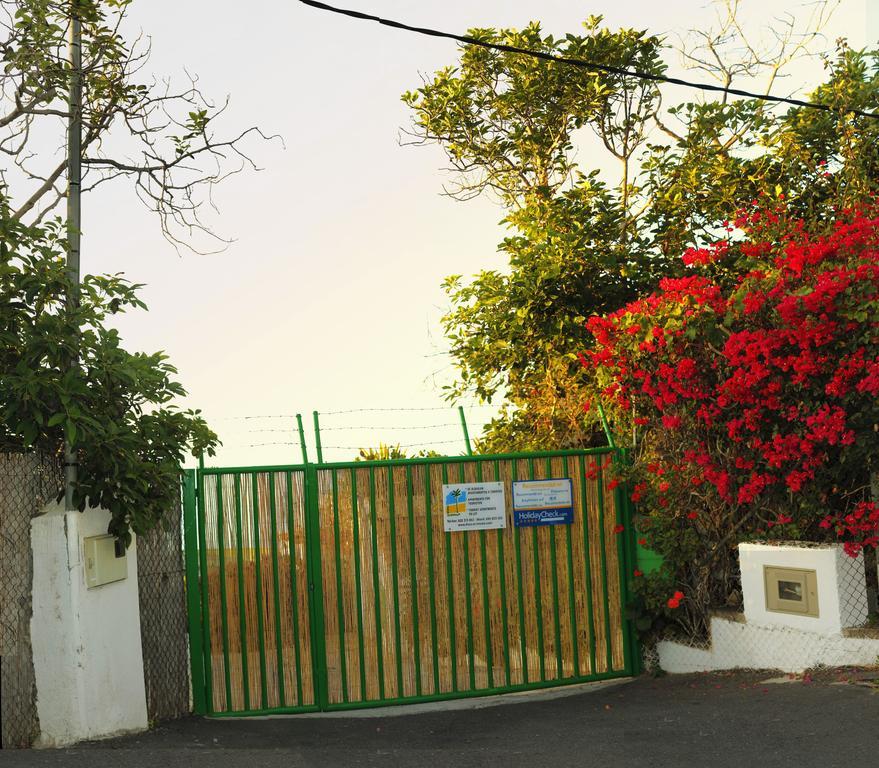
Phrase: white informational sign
(474, 507)
(543, 502)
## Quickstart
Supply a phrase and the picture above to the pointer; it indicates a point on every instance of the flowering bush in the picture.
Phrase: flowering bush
(751, 387)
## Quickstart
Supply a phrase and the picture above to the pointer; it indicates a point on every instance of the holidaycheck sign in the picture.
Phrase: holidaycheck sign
(543, 502)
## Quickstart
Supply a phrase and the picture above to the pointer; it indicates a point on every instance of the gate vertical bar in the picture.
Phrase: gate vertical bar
(468, 600)
(355, 533)
(294, 584)
(205, 609)
(242, 598)
(538, 593)
(260, 620)
(450, 594)
(394, 577)
(224, 619)
(430, 578)
(499, 534)
(608, 645)
(413, 579)
(587, 558)
(193, 595)
(517, 538)
(630, 635)
(276, 585)
(486, 606)
(340, 595)
(557, 618)
(315, 587)
(376, 583)
(572, 605)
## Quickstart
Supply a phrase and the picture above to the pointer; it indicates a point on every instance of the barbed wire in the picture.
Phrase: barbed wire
(404, 410)
(352, 427)
(359, 447)
(356, 410)
(245, 418)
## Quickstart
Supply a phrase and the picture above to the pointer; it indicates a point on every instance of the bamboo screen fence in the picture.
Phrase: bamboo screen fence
(402, 611)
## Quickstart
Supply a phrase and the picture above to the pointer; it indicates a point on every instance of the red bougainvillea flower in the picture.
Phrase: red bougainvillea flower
(613, 484)
(675, 600)
(619, 528)
(752, 382)
(638, 573)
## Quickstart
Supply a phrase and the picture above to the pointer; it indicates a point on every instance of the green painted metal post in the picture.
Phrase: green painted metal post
(624, 504)
(302, 446)
(610, 441)
(320, 453)
(466, 432)
(193, 592)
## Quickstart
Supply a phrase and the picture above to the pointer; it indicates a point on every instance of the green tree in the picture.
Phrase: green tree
(115, 407)
(507, 123)
(64, 373)
(583, 243)
(162, 137)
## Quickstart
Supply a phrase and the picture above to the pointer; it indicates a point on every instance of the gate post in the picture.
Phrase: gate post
(193, 592)
(315, 586)
(625, 517)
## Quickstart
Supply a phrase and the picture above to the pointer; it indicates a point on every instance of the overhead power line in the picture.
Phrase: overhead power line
(582, 63)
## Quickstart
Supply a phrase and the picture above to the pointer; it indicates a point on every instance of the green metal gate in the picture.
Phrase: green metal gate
(334, 586)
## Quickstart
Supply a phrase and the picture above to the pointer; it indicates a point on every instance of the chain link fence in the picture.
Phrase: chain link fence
(163, 621)
(27, 483)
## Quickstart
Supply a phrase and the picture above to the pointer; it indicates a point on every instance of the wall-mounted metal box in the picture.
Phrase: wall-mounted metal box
(105, 560)
(791, 590)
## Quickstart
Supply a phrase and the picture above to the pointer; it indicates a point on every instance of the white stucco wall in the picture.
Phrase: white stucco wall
(86, 642)
(842, 587)
(741, 645)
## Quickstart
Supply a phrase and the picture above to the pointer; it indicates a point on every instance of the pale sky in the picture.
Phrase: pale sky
(330, 296)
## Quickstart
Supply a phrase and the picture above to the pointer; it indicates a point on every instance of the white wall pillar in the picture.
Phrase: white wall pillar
(88, 660)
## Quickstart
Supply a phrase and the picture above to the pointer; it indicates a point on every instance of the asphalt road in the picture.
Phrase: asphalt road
(722, 721)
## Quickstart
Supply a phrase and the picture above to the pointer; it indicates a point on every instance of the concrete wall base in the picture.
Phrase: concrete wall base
(739, 645)
(88, 661)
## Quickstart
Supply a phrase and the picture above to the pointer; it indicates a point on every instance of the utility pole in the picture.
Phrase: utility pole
(74, 177)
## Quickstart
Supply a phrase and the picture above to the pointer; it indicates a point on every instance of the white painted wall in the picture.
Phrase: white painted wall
(742, 645)
(842, 586)
(86, 642)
